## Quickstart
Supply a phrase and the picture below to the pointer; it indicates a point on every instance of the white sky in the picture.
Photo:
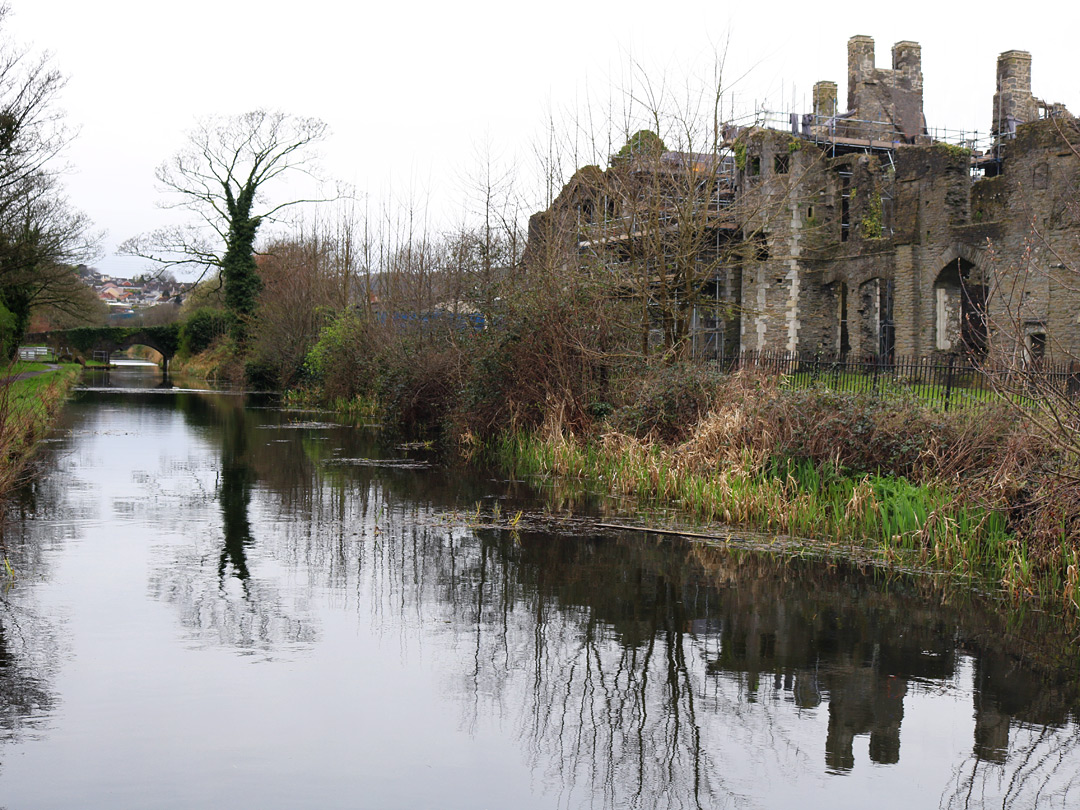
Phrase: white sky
(412, 91)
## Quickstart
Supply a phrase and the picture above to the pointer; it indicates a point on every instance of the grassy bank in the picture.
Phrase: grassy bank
(28, 407)
(959, 494)
(218, 364)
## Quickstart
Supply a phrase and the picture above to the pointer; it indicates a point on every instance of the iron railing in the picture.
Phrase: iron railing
(951, 381)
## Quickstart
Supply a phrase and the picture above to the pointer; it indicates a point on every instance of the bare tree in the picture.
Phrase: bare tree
(41, 236)
(221, 176)
(300, 287)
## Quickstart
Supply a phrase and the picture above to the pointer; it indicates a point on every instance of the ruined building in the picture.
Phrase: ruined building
(856, 232)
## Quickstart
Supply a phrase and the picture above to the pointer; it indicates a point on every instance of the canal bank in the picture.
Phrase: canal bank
(31, 397)
(978, 495)
(221, 602)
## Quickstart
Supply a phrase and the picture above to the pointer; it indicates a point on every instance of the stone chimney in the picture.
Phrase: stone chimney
(1013, 102)
(860, 61)
(892, 100)
(825, 99)
(907, 62)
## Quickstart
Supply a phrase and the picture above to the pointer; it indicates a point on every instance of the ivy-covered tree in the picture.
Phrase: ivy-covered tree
(221, 176)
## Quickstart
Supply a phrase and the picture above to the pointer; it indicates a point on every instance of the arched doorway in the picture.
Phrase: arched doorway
(960, 309)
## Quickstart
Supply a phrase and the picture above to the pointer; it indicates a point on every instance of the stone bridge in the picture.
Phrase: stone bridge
(86, 340)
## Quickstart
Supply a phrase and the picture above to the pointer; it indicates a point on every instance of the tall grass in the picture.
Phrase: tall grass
(916, 525)
(27, 409)
(359, 409)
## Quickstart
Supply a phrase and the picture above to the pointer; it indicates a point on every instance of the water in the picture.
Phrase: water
(223, 604)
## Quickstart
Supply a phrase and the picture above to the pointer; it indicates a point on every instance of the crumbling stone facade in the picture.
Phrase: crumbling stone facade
(857, 233)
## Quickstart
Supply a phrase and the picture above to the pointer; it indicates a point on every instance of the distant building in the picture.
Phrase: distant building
(859, 232)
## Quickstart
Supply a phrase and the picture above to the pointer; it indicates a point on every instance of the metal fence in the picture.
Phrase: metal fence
(947, 382)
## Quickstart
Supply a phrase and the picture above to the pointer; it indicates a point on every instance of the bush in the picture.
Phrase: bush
(418, 382)
(548, 358)
(668, 400)
(343, 361)
(9, 336)
(261, 375)
(199, 332)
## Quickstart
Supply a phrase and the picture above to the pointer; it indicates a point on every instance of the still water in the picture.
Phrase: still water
(222, 604)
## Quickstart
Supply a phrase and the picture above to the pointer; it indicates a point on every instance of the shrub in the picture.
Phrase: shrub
(548, 359)
(418, 382)
(343, 361)
(261, 375)
(199, 332)
(668, 400)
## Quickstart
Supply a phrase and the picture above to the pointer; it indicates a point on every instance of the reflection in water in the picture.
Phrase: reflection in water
(235, 494)
(630, 671)
(226, 603)
(29, 647)
(639, 673)
(24, 691)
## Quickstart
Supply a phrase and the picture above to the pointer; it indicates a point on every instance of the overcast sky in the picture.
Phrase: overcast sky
(412, 92)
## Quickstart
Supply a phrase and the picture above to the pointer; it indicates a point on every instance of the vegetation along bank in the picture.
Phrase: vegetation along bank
(31, 396)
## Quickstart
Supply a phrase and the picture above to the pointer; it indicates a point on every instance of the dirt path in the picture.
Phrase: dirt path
(27, 374)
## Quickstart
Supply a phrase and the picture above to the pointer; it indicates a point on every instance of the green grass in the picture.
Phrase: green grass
(28, 408)
(909, 525)
(933, 394)
(964, 392)
(359, 410)
(23, 366)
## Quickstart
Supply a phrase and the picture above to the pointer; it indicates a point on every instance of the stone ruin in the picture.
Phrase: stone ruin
(860, 232)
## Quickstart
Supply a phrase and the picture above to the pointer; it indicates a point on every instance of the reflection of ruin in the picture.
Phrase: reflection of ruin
(860, 662)
(820, 635)
(641, 665)
(860, 651)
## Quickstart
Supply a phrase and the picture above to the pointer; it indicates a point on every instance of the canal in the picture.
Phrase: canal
(219, 603)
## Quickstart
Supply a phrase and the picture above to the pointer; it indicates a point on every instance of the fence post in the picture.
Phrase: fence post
(949, 381)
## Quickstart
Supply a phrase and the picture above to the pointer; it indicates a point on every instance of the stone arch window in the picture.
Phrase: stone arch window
(873, 331)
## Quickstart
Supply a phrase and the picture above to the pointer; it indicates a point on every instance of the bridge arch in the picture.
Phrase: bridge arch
(88, 339)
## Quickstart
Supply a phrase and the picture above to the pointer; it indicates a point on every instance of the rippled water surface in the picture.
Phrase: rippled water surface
(222, 604)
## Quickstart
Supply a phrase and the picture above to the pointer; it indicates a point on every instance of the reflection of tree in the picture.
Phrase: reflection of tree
(1039, 771)
(211, 581)
(24, 694)
(37, 520)
(235, 495)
